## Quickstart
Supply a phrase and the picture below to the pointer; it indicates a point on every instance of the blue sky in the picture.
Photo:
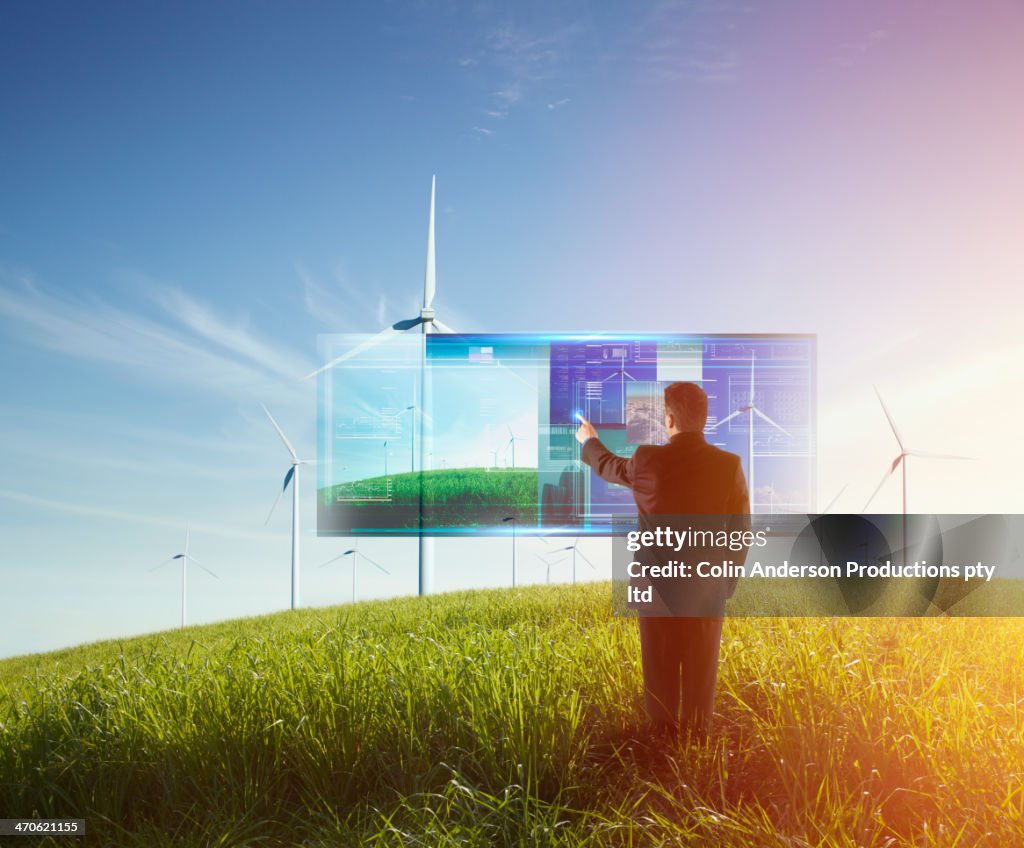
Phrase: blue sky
(190, 193)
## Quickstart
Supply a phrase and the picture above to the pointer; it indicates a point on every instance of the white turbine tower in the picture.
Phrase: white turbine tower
(901, 462)
(355, 553)
(185, 558)
(751, 410)
(428, 323)
(292, 476)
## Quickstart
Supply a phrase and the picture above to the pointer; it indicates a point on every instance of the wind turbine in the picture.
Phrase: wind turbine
(546, 558)
(511, 443)
(574, 547)
(901, 461)
(185, 557)
(428, 323)
(292, 476)
(355, 554)
(547, 563)
(622, 373)
(751, 410)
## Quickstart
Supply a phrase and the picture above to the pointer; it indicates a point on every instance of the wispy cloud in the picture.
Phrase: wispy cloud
(483, 131)
(520, 64)
(78, 508)
(196, 347)
(322, 304)
(509, 94)
(232, 336)
(556, 104)
(681, 40)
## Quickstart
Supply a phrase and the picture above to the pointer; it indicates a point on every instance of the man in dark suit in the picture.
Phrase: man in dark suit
(685, 477)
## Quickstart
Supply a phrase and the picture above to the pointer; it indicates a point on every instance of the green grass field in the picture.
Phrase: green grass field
(452, 497)
(511, 717)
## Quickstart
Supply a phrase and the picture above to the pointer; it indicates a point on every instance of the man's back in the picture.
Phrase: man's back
(686, 476)
(678, 485)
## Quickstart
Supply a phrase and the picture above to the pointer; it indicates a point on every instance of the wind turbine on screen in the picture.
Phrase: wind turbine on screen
(511, 443)
(623, 375)
(185, 558)
(750, 410)
(292, 476)
(428, 323)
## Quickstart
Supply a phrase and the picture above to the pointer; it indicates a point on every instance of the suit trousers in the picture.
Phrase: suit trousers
(680, 666)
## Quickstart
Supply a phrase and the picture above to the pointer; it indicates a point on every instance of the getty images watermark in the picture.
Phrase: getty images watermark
(812, 565)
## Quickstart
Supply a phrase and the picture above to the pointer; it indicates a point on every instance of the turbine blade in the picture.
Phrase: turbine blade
(280, 432)
(407, 324)
(359, 348)
(204, 567)
(269, 514)
(376, 564)
(444, 328)
(761, 415)
(586, 559)
(930, 455)
(879, 486)
(718, 424)
(892, 424)
(160, 565)
(832, 502)
(333, 559)
(288, 478)
(429, 278)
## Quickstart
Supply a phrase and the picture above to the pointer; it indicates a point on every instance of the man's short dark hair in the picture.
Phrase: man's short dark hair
(688, 404)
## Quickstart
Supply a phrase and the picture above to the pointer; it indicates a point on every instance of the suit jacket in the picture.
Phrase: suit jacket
(685, 477)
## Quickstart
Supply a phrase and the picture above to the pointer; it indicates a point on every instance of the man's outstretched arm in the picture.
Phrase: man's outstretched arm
(609, 467)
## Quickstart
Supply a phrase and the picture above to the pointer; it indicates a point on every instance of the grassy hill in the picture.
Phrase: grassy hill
(452, 497)
(510, 717)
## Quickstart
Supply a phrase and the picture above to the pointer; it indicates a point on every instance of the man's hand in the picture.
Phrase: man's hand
(586, 430)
